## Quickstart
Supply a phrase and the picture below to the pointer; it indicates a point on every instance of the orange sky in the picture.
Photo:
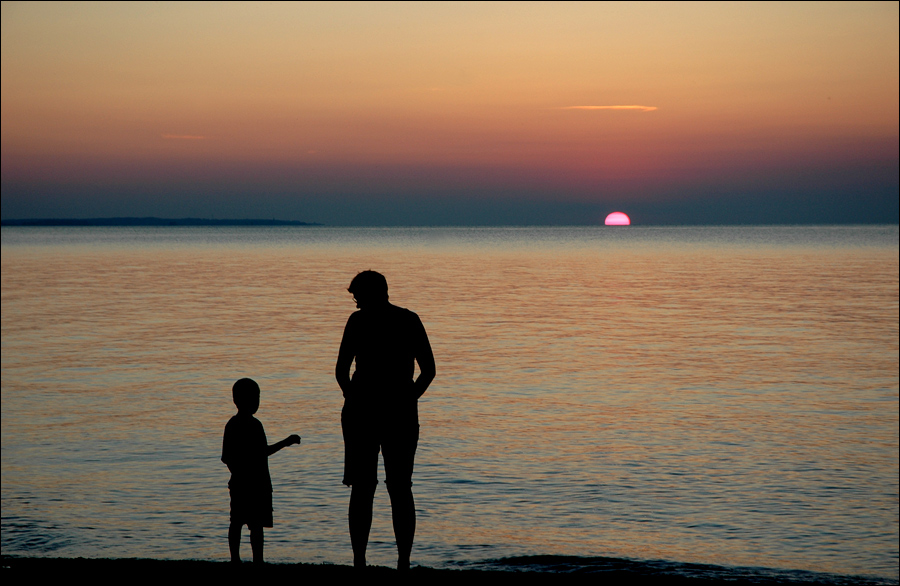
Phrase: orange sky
(101, 90)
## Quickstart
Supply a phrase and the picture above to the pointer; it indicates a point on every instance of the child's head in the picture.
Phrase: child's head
(245, 393)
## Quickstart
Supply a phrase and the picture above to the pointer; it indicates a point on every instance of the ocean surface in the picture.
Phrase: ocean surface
(704, 399)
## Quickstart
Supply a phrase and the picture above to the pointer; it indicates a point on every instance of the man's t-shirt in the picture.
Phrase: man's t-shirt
(384, 343)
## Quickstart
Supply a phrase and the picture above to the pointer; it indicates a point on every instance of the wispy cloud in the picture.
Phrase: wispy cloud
(631, 107)
(184, 136)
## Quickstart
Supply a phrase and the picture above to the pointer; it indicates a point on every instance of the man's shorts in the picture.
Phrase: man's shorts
(365, 436)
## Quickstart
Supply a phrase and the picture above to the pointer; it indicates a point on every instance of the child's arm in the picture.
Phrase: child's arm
(288, 441)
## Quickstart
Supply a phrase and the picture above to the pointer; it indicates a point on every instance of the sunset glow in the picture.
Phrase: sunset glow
(617, 219)
(640, 108)
(450, 113)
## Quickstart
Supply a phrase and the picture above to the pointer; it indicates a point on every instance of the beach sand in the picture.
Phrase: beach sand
(180, 571)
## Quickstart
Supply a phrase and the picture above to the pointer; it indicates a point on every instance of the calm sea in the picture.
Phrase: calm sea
(723, 396)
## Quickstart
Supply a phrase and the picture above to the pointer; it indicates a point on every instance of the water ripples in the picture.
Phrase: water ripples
(707, 396)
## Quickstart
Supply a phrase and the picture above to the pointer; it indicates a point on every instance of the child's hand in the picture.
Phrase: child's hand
(293, 439)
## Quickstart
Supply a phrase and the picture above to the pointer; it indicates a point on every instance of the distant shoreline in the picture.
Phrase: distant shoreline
(150, 222)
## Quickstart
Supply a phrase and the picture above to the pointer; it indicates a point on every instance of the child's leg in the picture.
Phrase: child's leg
(256, 543)
(234, 541)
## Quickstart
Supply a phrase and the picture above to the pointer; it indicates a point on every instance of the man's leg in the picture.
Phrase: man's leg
(360, 518)
(399, 457)
(403, 514)
(360, 473)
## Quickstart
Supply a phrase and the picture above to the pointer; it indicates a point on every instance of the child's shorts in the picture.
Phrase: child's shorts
(251, 508)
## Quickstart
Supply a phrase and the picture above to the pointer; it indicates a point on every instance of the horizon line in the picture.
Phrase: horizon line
(158, 222)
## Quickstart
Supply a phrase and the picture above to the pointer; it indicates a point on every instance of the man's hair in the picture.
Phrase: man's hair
(369, 285)
(244, 391)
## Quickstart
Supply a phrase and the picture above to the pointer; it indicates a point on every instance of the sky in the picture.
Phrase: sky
(452, 113)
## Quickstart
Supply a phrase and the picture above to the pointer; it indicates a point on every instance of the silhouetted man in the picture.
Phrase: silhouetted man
(380, 411)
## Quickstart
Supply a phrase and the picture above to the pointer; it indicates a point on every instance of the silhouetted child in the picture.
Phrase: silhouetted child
(246, 453)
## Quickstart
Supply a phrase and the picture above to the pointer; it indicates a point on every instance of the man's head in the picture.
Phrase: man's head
(245, 393)
(368, 288)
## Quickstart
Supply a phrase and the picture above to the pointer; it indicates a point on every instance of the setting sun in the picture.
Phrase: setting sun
(617, 219)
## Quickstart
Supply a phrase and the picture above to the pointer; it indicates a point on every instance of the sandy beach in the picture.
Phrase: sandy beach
(189, 570)
(611, 572)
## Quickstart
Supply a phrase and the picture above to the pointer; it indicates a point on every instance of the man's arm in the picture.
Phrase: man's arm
(345, 360)
(425, 360)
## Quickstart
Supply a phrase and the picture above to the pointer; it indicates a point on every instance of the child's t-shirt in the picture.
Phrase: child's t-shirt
(244, 451)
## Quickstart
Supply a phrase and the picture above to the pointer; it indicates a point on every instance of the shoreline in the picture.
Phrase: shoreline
(183, 570)
(148, 221)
